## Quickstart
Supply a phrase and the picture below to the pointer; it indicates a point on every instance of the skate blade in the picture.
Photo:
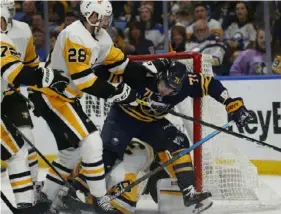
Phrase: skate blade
(74, 206)
(203, 206)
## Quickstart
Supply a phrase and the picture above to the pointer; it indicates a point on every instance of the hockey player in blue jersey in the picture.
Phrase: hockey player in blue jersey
(169, 85)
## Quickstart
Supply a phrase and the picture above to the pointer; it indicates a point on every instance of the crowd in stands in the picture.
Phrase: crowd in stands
(231, 31)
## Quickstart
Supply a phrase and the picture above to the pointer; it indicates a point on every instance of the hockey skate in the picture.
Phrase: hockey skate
(200, 200)
(41, 207)
(76, 202)
(37, 186)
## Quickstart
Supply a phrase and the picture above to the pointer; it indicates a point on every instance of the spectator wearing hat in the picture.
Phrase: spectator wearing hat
(152, 30)
(201, 12)
(138, 44)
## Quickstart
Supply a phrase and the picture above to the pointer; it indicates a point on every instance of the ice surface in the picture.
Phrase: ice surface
(146, 206)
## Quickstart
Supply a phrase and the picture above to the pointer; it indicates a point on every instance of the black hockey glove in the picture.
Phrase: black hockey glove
(157, 66)
(156, 104)
(237, 111)
(124, 94)
(53, 80)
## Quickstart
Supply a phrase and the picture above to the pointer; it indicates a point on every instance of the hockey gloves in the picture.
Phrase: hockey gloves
(157, 105)
(237, 111)
(53, 80)
(124, 94)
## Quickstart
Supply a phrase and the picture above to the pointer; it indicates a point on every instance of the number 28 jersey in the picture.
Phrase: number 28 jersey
(76, 52)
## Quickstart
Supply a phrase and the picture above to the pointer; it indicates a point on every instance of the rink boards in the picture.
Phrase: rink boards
(261, 95)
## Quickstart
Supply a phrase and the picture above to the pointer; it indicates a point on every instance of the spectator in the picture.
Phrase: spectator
(129, 12)
(251, 61)
(117, 37)
(178, 38)
(152, 30)
(241, 34)
(184, 16)
(206, 43)
(39, 43)
(201, 12)
(54, 36)
(138, 44)
(227, 13)
(70, 17)
(37, 21)
(29, 10)
(74, 6)
(276, 31)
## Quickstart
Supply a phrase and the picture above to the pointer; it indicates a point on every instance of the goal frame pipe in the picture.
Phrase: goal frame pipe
(171, 55)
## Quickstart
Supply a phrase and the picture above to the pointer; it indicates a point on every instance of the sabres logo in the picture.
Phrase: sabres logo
(177, 80)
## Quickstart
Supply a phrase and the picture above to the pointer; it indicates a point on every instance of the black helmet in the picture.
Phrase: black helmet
(174, 75)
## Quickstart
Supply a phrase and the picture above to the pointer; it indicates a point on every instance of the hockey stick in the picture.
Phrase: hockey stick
(179, 155)
(8, 203)
(41, 155)
(173, 112)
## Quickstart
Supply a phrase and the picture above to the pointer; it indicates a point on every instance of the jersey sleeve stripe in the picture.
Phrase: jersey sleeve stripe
(35, 60)
(118, 66)
(6, 66)
(10, 71)
(31, 58)
(85, 82)
(81, 74)
(202, 85)
(207, 81)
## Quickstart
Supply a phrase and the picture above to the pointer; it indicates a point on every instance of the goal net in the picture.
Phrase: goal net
(220, 167)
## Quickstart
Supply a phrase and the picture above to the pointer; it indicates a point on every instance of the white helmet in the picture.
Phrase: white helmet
(10, 4)
(6, 15)
(103, 9)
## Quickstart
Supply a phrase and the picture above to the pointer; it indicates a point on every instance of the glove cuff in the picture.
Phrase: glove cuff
(232, 105)
(47, 77)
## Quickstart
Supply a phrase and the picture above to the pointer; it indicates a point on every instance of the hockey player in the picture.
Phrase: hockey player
(136, 162)
(21, 36)
(79, 47)
(147, 123)
(13, 148)
(171, 85)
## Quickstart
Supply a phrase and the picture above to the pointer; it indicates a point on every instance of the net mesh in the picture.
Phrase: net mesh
(220, 166)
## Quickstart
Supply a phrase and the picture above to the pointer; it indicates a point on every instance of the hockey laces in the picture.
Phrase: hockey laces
(104, 202)
(190, 191)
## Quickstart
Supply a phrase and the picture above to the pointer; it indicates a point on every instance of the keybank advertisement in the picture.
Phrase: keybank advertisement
(261, 97)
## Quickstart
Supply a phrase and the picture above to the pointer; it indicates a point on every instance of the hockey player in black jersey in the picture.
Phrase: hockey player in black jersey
(169, 84)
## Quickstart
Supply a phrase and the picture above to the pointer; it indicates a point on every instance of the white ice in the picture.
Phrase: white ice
(146, 206)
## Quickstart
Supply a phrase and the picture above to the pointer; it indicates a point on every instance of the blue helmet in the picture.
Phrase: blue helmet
(174, 76)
